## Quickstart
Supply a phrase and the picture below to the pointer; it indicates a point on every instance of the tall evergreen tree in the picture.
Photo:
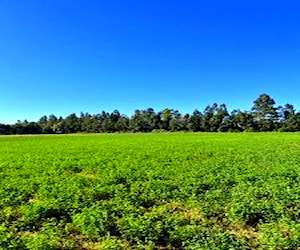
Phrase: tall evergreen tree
(265, 113)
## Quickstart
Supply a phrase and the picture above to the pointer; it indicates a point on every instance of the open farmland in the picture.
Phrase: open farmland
(150, 191)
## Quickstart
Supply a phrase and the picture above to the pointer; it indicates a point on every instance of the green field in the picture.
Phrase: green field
(150, 191)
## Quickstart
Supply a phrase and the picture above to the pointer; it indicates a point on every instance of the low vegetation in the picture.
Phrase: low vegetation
(150, 191)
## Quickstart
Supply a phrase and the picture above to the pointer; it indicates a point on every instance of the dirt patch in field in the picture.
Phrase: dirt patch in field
(88, 175)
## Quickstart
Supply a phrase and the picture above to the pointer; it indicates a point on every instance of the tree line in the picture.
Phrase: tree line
(263, 116)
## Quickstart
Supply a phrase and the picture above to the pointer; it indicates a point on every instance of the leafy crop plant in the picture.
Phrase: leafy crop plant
(150, 191)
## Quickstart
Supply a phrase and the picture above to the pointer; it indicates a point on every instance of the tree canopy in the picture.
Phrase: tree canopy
(263, 116)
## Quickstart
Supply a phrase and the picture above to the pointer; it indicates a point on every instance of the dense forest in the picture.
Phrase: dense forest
(263, 116)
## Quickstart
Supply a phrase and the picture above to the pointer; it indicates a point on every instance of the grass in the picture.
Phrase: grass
(150, 191)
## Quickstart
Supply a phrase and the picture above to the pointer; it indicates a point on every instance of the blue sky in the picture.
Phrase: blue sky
(62, 56)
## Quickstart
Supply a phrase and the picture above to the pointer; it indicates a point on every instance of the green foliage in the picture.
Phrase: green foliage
(93, 221)
(48, 237)
(150, 191)
(284, 234)
(264, 116)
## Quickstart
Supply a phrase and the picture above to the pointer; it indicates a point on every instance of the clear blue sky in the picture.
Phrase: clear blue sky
(64, 56)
